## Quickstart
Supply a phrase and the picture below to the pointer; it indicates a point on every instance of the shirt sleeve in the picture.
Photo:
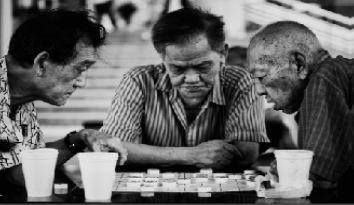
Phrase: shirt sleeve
(246, 117)
(126, 111)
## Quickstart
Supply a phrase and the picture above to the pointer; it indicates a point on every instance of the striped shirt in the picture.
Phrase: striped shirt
(326, 118)
(148, 109)
(20, 131)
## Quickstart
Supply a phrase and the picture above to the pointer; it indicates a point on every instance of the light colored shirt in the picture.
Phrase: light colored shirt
(148, 109)
(21, 130)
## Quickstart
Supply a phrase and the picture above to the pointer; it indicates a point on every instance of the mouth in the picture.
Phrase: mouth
(192, 88)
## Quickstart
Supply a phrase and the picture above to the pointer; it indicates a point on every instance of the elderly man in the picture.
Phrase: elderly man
(191, 109)
(293, 71)
(48, 59)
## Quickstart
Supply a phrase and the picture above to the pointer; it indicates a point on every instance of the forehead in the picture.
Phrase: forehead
(193, 52)
(263, 59)
(84, 52)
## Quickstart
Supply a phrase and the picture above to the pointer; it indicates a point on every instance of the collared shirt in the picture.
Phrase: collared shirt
(19, 129)
(326, 118)
(148, 109)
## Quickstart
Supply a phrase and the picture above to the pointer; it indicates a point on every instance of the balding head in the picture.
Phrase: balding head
(281, 57)
(287, 37)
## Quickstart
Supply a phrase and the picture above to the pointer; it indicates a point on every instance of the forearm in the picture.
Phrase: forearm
(64, 152)
(160, 156)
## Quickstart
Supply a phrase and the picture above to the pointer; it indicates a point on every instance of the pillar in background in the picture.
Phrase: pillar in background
(6, 25)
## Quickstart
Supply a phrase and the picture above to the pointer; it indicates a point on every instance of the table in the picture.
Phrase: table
(75, 194)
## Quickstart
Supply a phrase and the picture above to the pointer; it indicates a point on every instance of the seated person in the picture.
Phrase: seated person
(191, 109)
(293, 71)
(48, 59)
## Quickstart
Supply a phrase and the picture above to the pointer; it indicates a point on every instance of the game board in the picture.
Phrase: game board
(205, 181)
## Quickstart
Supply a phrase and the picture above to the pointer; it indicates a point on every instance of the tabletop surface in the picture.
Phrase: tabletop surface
(70, 175)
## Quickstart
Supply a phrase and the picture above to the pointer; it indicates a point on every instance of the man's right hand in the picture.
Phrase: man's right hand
(214, 154)
(273, 168)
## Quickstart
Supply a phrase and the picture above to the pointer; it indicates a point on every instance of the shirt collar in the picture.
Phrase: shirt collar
(164, 84)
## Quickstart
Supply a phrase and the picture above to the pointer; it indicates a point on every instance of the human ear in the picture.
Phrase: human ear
(301, 65)
(40, 62)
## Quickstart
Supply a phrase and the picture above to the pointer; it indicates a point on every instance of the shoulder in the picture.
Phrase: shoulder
(147, 71)
(234, 77)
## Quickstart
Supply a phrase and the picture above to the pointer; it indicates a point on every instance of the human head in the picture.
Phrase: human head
(280, 58)
(237, 55)
(191, 43)
(61, 45)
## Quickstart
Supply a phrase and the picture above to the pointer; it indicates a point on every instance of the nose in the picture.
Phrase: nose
(260, 90)
(191, 78)
(81, 80)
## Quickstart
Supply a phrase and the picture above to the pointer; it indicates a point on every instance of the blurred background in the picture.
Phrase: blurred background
(129, 22)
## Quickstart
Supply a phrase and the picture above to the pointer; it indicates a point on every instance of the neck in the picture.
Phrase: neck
(20, 86)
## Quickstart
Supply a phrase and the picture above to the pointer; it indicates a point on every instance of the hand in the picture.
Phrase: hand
(273, 168)
(101, 142)
(214, 154)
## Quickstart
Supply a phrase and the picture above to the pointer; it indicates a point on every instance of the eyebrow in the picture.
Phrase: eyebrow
(198, 65)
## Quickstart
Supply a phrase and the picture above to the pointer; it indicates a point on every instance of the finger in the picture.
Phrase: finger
(273, 168)
(228, 155)
(229, 141)
(123, 156)
(232, 149)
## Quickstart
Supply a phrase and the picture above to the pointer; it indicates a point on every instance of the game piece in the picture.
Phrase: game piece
(147, 188)
(153, 171)
(235, 176)
(168, 182)
(133, 184)
(250, 183)
(168, 175)
(222, 175)
(204, 189)
(150, 180)
(184, 181)
(247, 172)
(152, 176)
(134, 178)
(137, 175)
(148, 184)
(221, 179)
(204, 194)
(206, 171)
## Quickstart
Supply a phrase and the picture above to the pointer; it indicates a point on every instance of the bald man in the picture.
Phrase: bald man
(293, 71)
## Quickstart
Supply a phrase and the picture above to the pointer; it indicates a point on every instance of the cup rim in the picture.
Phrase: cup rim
(293, 154)
(97, 156)
(41, 153)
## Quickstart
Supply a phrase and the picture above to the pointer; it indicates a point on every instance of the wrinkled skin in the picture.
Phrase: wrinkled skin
(278, 76)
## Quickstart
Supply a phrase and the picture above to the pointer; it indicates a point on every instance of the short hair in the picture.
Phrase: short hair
(288, 36)
(183, 25)
(56, 32)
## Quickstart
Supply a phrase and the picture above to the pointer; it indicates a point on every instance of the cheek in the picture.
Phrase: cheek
(281, 85)
(176, 80)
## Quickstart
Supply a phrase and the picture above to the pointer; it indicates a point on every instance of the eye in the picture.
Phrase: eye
(204, 69)
(177, 69)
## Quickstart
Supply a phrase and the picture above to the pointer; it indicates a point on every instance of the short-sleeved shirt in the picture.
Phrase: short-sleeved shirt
(148, 109)
(19, 128)
(326, 117)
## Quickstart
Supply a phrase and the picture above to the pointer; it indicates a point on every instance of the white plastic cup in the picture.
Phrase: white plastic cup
(38, 168)
(293, 166)
(98, 174)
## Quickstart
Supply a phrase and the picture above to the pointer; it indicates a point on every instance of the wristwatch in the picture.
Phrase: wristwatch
(75, 147)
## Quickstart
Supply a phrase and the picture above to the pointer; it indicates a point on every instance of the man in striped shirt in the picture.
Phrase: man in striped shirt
(190, 109)
(293, 71)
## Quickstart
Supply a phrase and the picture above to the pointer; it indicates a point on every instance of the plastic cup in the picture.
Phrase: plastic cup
(293, 166)
(98, 174)
(38, 167)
